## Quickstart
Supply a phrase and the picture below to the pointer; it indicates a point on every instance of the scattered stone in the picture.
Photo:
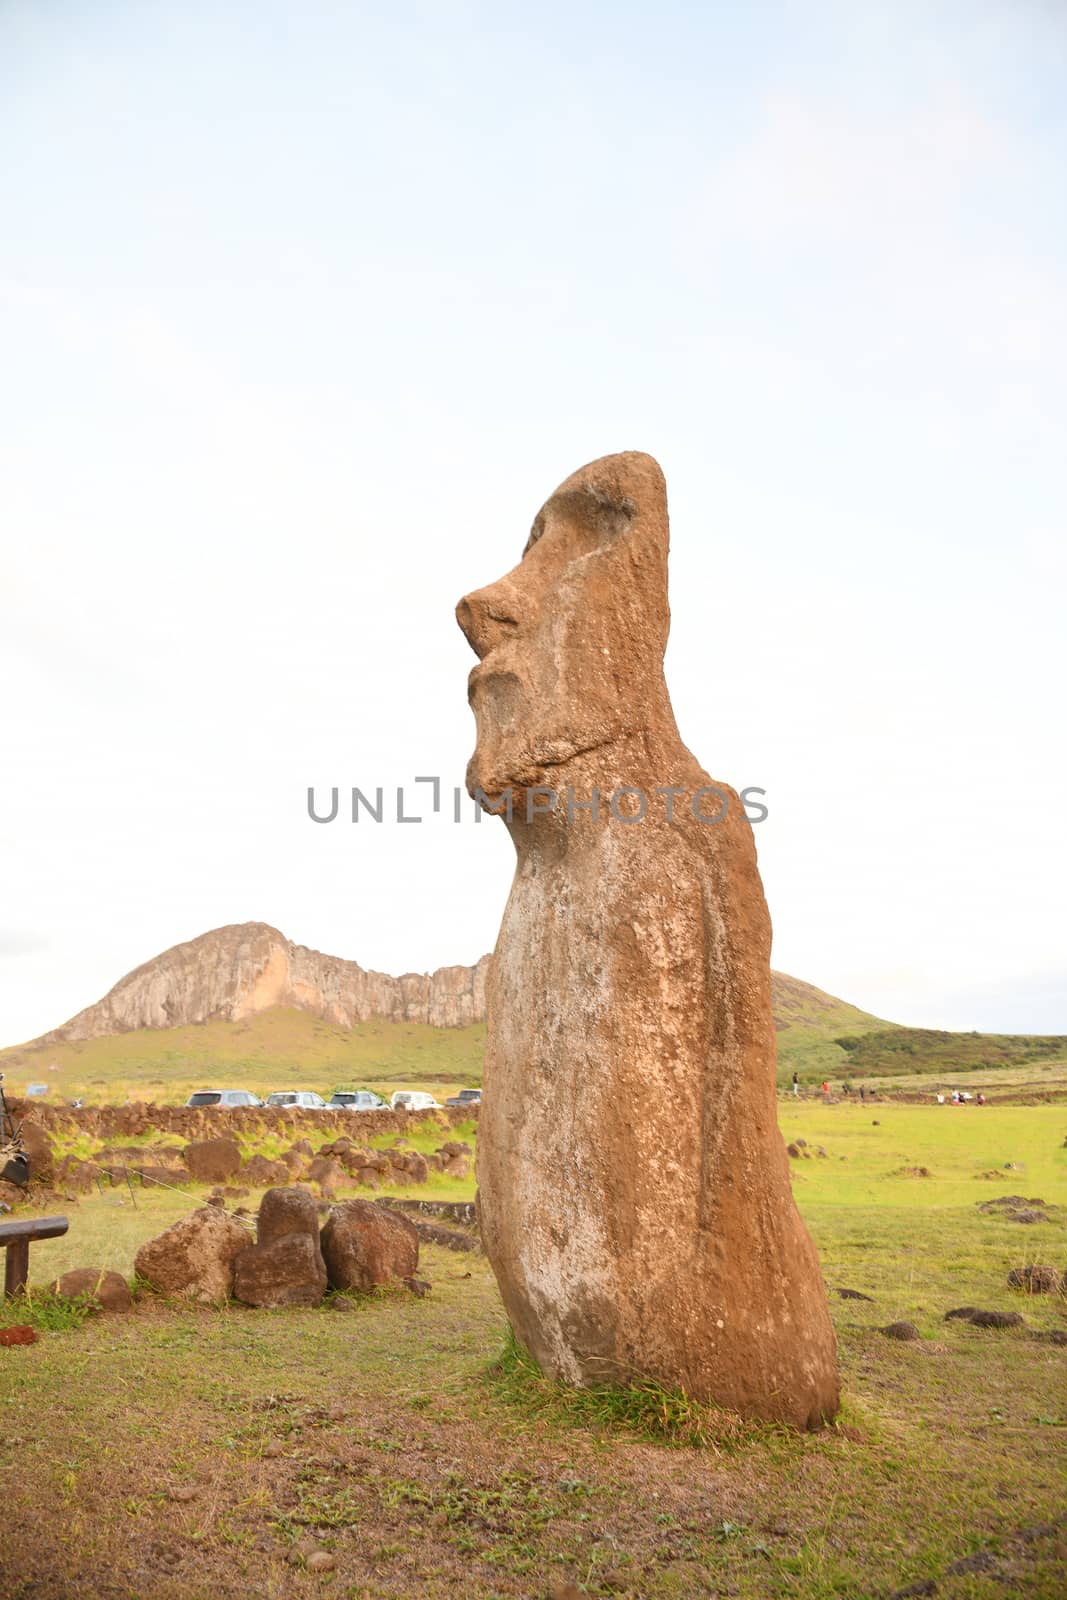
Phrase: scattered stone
(418, 1286)
(264, 1174)
(451, 1238)
(194, 1258)
(876, 1123)
(22, 1334)
(38, 1147)
(213, 1160)
(1037, 1280)
(183, 1493)
(915, 1591)
(341, 1302)
(320, 1561)
(793, 1151)
(961, 1314)
(365, 1245)
(997, 1319)
(301, 1550)
(901, 1330)
(273, 1449)
(109, 1290)
(1055, 1336)
(980, 1561)
(854, 1294)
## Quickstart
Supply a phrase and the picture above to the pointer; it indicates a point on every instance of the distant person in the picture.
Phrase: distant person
(796, 1084)
(863, 1092)
(940, 1099)
(981, 1098)
(826, 1091)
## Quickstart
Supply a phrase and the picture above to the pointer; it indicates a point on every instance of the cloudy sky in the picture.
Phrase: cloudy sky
(306, 307)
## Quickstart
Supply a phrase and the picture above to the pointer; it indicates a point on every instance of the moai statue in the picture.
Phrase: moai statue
(634, 1187)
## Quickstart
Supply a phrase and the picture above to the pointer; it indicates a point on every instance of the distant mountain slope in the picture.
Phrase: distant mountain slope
(248, 968)
(238, 971)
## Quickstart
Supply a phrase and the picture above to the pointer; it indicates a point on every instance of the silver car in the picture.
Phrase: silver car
(356, 1100)
(225, 1099)
(297, 1100)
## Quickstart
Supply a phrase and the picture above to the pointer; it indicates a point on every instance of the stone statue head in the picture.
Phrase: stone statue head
(571, 641)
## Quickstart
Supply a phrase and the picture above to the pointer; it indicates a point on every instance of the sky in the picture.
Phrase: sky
(305, 309)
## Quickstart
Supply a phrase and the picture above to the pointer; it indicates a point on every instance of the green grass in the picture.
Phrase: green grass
(278, 1049)
(887, 1052)
(200, 1447)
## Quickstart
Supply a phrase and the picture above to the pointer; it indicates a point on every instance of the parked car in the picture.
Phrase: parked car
(465, 1097)
(413, 1100)
(356, 1100)
(225, 1099)
(297, 1100)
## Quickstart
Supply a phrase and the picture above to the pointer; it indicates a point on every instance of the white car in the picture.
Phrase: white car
(297, 1100)
(413, 1100)
(225, 1099)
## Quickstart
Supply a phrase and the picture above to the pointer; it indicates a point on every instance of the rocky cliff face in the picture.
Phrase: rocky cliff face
(238, 971)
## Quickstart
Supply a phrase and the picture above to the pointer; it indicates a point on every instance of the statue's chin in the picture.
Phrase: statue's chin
(494, 774)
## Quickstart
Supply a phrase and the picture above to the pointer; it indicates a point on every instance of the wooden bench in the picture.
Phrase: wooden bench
(15, 1238)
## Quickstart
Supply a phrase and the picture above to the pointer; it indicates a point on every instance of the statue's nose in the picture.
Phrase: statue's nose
(488, 616)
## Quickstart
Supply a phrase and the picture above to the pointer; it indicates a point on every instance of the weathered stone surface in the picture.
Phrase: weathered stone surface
(262, 1173)
(326, 1172)
(287, 1272)
(635, 1196)
(38, 1147)
(286, 1211)
(109, 1289)
(194, 1257)
(213, 1160)
(237, 971)
(365, 1245)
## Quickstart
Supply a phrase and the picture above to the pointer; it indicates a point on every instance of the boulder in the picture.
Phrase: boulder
(285, 1266)
(901, 1330)
(158, 1176)
(287, 1272)
(1038, 1279)
(109, 1289)
(38, 1147)
(263, 1173)
(327, 1172)
(286, 1211)
(368, 1177)
(213, 1160)
(365, 1245)
(194, 1258)
(77, 1175)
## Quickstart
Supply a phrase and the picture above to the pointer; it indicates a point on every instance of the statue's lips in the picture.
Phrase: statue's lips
(486, 673)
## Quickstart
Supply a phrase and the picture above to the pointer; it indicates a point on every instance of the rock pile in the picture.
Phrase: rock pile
(285, 1266)
(210, 1256)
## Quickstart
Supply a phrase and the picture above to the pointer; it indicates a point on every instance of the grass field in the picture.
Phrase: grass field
(186, 1454)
